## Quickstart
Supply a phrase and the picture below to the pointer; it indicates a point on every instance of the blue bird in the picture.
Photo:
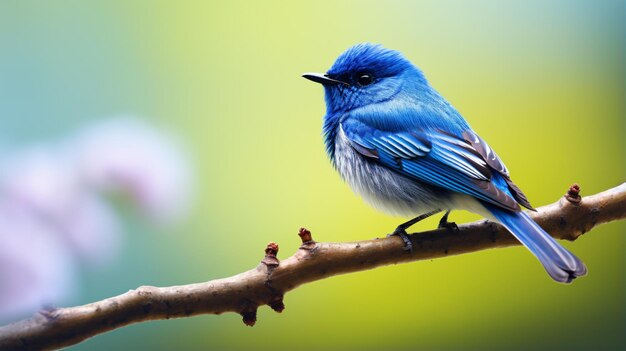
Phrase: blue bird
(401, 146)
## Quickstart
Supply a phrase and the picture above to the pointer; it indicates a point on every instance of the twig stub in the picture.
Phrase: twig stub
(249, 317)
(277, 304)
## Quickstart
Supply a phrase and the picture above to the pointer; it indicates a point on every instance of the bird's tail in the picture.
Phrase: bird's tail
(560, 264)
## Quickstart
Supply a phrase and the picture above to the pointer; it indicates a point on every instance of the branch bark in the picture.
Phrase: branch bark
(267, 283)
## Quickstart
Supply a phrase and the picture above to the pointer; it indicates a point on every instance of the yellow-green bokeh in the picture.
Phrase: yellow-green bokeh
(543, 82)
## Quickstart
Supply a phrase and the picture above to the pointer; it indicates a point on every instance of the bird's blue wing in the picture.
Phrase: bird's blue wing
(435, 157)
(492, 159)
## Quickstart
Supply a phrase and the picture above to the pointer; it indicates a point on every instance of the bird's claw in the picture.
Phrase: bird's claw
(443, 223)
(449, 225)
(401, 232)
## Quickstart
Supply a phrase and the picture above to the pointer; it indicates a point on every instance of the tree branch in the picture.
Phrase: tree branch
(266, 284)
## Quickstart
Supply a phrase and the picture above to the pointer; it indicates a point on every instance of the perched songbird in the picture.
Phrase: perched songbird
(407, 151)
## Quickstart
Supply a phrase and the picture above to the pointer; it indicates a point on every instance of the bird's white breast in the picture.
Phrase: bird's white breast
(383, 188)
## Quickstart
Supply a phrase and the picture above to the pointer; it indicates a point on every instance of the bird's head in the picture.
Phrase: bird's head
(366, 74)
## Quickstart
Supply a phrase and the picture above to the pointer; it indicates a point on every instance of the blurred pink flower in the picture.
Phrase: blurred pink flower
(39, 178)
(36, 269)
(129, 156)
(42, 181)
(53, 214)
(92, 229)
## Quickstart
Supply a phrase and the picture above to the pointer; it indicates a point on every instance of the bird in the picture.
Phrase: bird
(407, 151)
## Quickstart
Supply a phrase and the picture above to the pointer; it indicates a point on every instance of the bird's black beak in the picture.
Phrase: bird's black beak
(322, 79)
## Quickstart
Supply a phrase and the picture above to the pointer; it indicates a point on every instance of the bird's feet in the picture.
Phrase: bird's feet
(401, 232)
(443, 223)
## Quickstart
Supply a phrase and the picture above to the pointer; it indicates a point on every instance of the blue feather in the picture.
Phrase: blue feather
(560, 264)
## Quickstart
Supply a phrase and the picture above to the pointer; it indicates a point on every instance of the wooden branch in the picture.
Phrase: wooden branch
(266, 284)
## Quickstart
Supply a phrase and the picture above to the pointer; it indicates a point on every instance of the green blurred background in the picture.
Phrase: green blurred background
(543, 82)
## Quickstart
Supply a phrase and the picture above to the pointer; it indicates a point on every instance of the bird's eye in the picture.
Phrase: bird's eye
(365, 79)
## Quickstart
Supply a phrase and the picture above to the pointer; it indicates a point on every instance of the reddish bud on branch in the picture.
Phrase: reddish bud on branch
(305, 235)
(307, 239)
(573, 194)
(271, 251)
